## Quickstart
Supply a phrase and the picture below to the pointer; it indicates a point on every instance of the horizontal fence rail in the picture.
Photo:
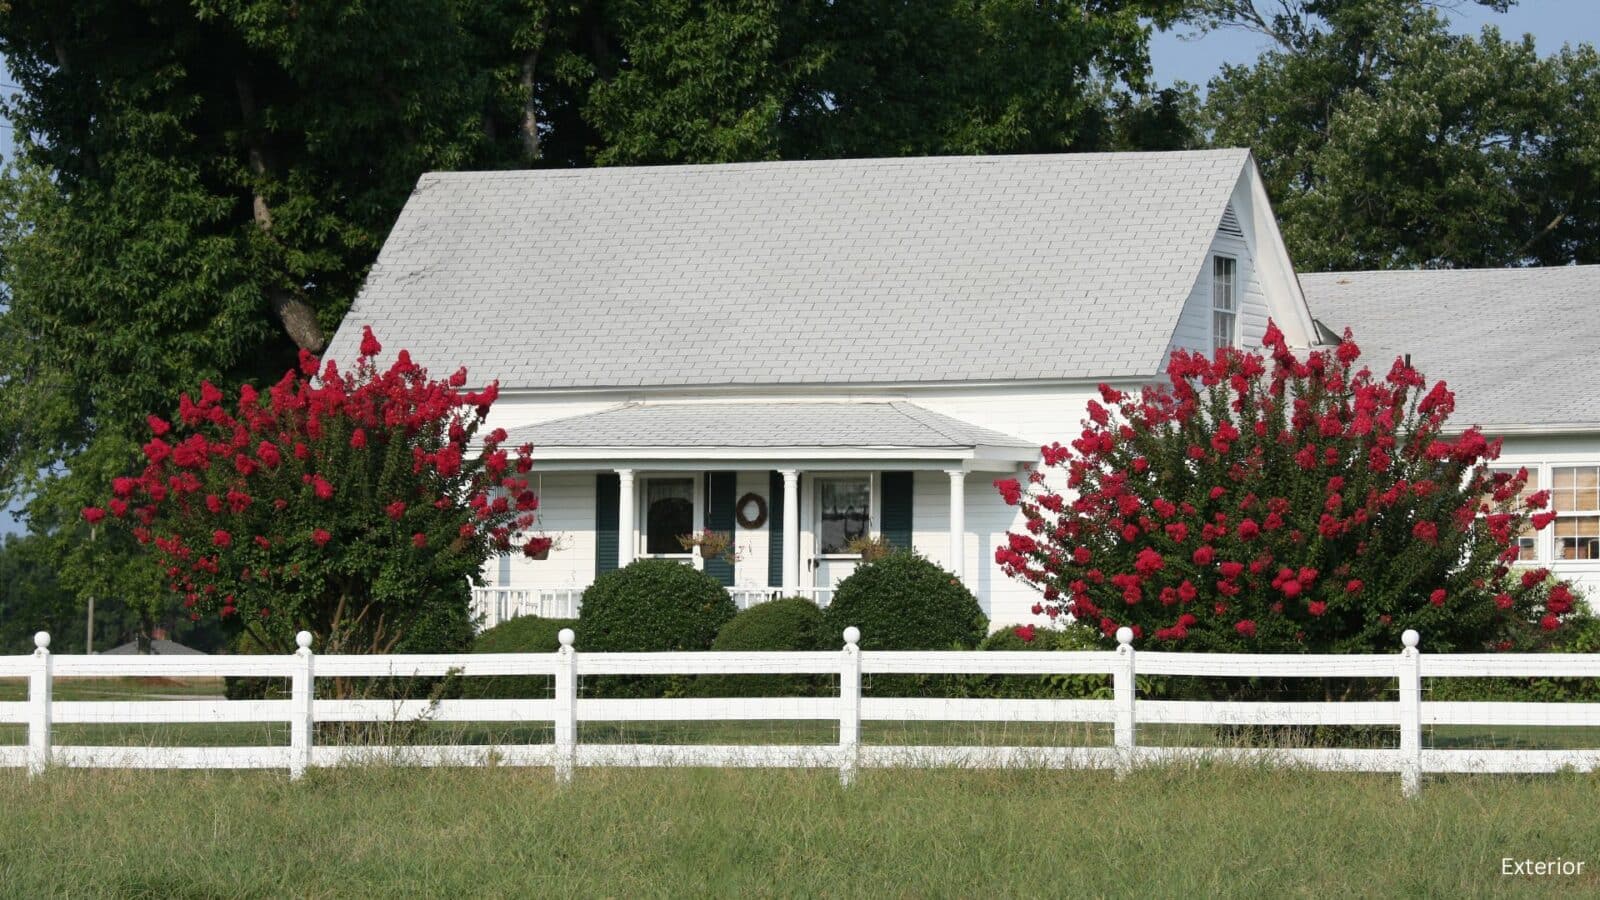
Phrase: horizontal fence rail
(302, 710)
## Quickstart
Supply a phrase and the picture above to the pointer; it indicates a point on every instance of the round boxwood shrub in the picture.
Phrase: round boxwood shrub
(789, 623)
(904, 602)
(524, 634)
(652, 605)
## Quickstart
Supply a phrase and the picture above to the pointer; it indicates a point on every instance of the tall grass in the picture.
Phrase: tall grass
(1184, 830)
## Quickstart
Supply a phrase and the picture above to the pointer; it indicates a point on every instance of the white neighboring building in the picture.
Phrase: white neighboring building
(1521, 349)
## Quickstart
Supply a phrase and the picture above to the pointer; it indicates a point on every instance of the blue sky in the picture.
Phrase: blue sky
(1176, 57)
(1551, 22)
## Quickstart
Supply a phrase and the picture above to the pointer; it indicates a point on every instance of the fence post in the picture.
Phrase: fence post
(850, 706)
(1410, 675)
(1123, 693)
(39, 688)
(566, 720)
(302, 691)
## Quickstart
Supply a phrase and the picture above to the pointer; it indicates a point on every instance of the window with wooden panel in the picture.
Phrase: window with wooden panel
(1575, 497)
(1224, 301)
(1528, 540)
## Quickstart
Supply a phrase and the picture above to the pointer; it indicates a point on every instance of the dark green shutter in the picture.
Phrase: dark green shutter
(719, 517)
(774, 530)
(607, 495)
(896, 528)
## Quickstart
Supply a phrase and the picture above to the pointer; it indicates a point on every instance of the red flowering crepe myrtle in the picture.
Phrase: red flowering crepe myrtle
(1279, 503)
(346, 504)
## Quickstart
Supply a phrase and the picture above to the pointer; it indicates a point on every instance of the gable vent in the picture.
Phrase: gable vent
(1230, 223)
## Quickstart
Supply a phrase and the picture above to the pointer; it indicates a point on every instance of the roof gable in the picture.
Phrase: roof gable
(1068, 266)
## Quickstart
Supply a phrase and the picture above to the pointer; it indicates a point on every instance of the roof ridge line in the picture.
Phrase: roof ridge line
(898, 404)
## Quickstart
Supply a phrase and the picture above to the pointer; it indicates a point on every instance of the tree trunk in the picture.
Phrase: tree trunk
(299, 320)
(530, 108)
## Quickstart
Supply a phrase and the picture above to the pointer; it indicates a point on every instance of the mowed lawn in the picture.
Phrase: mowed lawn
(1195, 831)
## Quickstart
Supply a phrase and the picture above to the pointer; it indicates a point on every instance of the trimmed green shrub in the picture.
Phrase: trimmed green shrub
(789, 623)
(904, 602)
(650, 605)
(653, 605)
(524, 634)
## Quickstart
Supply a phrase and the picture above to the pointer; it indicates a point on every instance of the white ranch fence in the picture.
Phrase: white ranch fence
(1123, 711)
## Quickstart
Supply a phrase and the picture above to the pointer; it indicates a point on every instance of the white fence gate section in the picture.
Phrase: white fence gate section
(303, 710)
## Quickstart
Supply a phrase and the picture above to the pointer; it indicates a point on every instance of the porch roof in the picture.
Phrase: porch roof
(769, 431)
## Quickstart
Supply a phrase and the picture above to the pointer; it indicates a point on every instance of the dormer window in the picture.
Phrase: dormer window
(1224, 301)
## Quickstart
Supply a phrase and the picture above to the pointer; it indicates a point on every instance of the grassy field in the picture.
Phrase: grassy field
(1196, 831)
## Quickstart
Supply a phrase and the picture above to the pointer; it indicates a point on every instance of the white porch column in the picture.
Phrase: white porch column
(625, 506)
(791, 530)
(958, 522)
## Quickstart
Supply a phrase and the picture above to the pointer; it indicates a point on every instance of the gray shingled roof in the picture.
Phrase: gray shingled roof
(765, 425)
(1518, 346)
(881, 270)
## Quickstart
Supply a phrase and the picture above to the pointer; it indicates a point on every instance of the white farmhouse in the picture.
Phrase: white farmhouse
(805, 353)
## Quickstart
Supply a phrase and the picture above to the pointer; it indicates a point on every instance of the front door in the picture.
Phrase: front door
(844, 515)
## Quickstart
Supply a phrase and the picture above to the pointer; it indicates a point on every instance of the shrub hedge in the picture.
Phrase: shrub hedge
(790, 623)
(653, 605)
(650, 605)
(904, 602)
(1080, 687)
(524, 634)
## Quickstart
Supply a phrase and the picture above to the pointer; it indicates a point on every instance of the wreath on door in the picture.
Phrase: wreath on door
(749, 521)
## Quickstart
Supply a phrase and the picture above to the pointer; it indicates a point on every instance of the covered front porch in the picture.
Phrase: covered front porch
(797, 488)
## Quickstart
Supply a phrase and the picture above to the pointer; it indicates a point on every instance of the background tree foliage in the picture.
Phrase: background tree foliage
(201, 186)
(1388, 142)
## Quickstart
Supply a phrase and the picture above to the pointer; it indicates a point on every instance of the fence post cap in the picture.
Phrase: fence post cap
(42, 640)
(302, 640)
(566, 636)
(1124, 635)
(1410, 638)
(852, 636)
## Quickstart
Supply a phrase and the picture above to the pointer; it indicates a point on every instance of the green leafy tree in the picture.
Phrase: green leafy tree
(1388, 142)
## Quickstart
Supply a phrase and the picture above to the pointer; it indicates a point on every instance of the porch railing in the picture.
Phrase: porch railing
(498, 604)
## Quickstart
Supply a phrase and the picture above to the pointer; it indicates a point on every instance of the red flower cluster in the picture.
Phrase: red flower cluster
(259, 502)
(1285, 501)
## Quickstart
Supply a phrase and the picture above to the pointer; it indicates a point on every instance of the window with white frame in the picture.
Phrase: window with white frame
(1575, 497)
(1224, 301)
(668, 513)
(844, 512)
(1528, 540)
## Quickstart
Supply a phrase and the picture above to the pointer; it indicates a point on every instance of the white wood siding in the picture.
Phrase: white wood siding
(752, 543)
(566, 512)
(1194, 323)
